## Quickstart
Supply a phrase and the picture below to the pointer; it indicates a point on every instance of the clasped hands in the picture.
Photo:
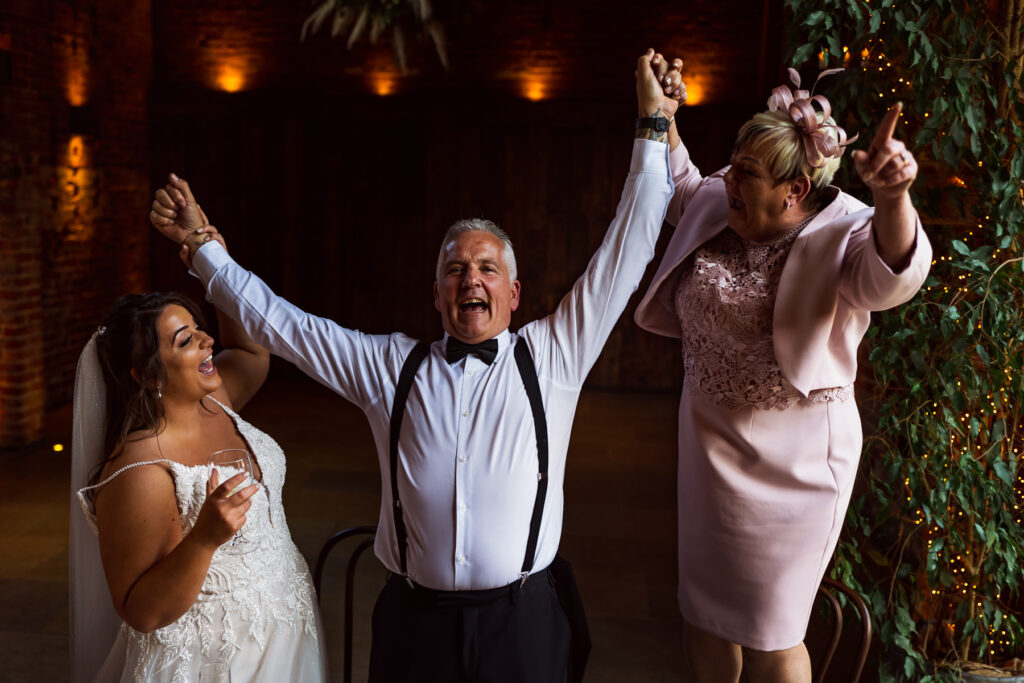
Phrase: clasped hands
(178, 217)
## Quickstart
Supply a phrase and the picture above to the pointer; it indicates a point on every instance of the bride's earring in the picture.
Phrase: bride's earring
(787, 205)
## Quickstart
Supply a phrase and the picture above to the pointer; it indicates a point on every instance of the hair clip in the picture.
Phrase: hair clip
(799, 106)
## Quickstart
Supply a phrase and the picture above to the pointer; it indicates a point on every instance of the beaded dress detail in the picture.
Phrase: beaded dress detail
(725, 302)
(255, 611)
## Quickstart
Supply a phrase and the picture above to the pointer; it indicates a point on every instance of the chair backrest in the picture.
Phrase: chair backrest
(829, 590)
(369, 533)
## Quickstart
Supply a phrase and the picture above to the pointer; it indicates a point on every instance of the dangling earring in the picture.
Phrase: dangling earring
(787, 205)
(159, 394)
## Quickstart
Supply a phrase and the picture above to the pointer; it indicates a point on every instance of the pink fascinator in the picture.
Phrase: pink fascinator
(800, 106)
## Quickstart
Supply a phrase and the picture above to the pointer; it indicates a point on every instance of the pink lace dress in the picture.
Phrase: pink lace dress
(765, 474)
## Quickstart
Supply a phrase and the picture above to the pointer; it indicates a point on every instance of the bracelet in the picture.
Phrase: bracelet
(655, 123)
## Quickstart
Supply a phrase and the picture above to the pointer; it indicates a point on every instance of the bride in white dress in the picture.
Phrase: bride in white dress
(158, 591)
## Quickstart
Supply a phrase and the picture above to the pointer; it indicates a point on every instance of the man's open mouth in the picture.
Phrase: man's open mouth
(473, 306)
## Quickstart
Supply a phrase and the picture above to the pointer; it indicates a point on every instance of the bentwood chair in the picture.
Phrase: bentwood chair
(368, 534)
(828, 590)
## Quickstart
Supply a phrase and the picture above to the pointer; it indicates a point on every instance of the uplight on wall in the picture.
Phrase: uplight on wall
(231, 76)
(534, 88)
(383, 85)
(695, 92)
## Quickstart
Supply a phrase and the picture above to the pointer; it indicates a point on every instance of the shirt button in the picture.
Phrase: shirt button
(465, 414)
(462, 507)
(462, 559)
(462, 459)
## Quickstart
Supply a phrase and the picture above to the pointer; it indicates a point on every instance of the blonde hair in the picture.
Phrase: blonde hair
(780, 146)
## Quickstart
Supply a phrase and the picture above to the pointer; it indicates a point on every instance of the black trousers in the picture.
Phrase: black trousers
(508, 635)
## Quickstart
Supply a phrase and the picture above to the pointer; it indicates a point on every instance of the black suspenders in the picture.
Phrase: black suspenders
(528, 374)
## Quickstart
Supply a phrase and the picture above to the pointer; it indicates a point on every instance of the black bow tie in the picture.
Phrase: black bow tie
(455, 350)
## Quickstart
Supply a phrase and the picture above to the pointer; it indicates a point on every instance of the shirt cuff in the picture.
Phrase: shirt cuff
(648, 156)
(208, 259)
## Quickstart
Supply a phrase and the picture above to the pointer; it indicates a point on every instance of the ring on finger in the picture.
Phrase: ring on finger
(903, 159)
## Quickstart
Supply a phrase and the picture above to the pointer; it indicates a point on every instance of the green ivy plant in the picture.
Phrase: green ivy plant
(935, 542)
(353, 19)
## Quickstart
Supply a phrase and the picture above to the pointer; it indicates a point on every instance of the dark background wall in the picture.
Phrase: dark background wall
(74, 174)
(332, 175)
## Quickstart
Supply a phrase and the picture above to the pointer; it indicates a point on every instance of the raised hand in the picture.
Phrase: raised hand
(650, 95)
(670, 75)
(222, 515)
(886, 167)
(176, 214)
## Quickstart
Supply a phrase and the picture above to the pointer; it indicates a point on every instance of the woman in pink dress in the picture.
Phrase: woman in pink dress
(769, 281)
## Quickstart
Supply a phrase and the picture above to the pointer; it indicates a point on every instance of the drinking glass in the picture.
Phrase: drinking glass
(228, 463)
(215, 672)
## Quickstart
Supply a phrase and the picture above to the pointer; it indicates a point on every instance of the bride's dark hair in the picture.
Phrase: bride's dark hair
(128, 342)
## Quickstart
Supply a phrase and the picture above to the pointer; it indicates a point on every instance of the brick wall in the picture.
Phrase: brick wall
(565, 49)
(80, 147)
(337, 196)
(74, 190)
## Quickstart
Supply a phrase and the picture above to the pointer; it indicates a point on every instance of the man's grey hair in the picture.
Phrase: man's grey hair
(483, 225)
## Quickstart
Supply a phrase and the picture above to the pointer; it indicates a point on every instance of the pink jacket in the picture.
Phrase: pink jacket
(832, 280)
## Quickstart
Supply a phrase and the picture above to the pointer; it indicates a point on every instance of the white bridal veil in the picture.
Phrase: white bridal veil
(94, 623)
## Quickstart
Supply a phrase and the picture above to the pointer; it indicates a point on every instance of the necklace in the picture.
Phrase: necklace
(758, 253)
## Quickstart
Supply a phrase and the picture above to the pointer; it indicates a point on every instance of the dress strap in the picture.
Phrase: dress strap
(84, 503)
(123, 469)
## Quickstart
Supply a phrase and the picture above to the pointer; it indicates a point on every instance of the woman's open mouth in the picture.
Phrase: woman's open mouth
(206, 367)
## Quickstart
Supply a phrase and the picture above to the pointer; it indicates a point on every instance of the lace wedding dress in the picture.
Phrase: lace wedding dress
(255, 611)
(765, 474)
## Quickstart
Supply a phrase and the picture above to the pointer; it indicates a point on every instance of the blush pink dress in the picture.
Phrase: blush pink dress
(765, 474)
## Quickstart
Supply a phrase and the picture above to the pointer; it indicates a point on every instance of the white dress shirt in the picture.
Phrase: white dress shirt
(467, 451)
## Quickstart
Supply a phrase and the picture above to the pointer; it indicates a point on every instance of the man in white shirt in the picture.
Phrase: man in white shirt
(470, 598)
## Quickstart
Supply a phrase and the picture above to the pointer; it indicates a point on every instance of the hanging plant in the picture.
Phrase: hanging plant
(354, 19)
(935, 543)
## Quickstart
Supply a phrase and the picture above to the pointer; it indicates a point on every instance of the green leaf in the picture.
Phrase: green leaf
(975, 118)
(958, 133)
(982, 353)
(1003, 472)
(815, 18)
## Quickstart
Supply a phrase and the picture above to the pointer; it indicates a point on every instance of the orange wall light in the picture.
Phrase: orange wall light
(383, 85)
(230, 76)
(534, 88)
(695, 91)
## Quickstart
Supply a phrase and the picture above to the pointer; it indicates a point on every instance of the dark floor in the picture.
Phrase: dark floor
(619, 529)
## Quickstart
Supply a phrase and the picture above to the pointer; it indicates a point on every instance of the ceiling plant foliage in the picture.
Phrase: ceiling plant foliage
(353, 20)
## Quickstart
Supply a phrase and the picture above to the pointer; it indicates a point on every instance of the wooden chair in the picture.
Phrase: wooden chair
(350, 579)
(829, 590)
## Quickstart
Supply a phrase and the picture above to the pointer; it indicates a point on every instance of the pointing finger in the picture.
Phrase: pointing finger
(887, 127)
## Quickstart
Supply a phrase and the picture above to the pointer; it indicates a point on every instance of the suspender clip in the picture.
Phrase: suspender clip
(409, 581)
(541, 476)
(523, 576)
